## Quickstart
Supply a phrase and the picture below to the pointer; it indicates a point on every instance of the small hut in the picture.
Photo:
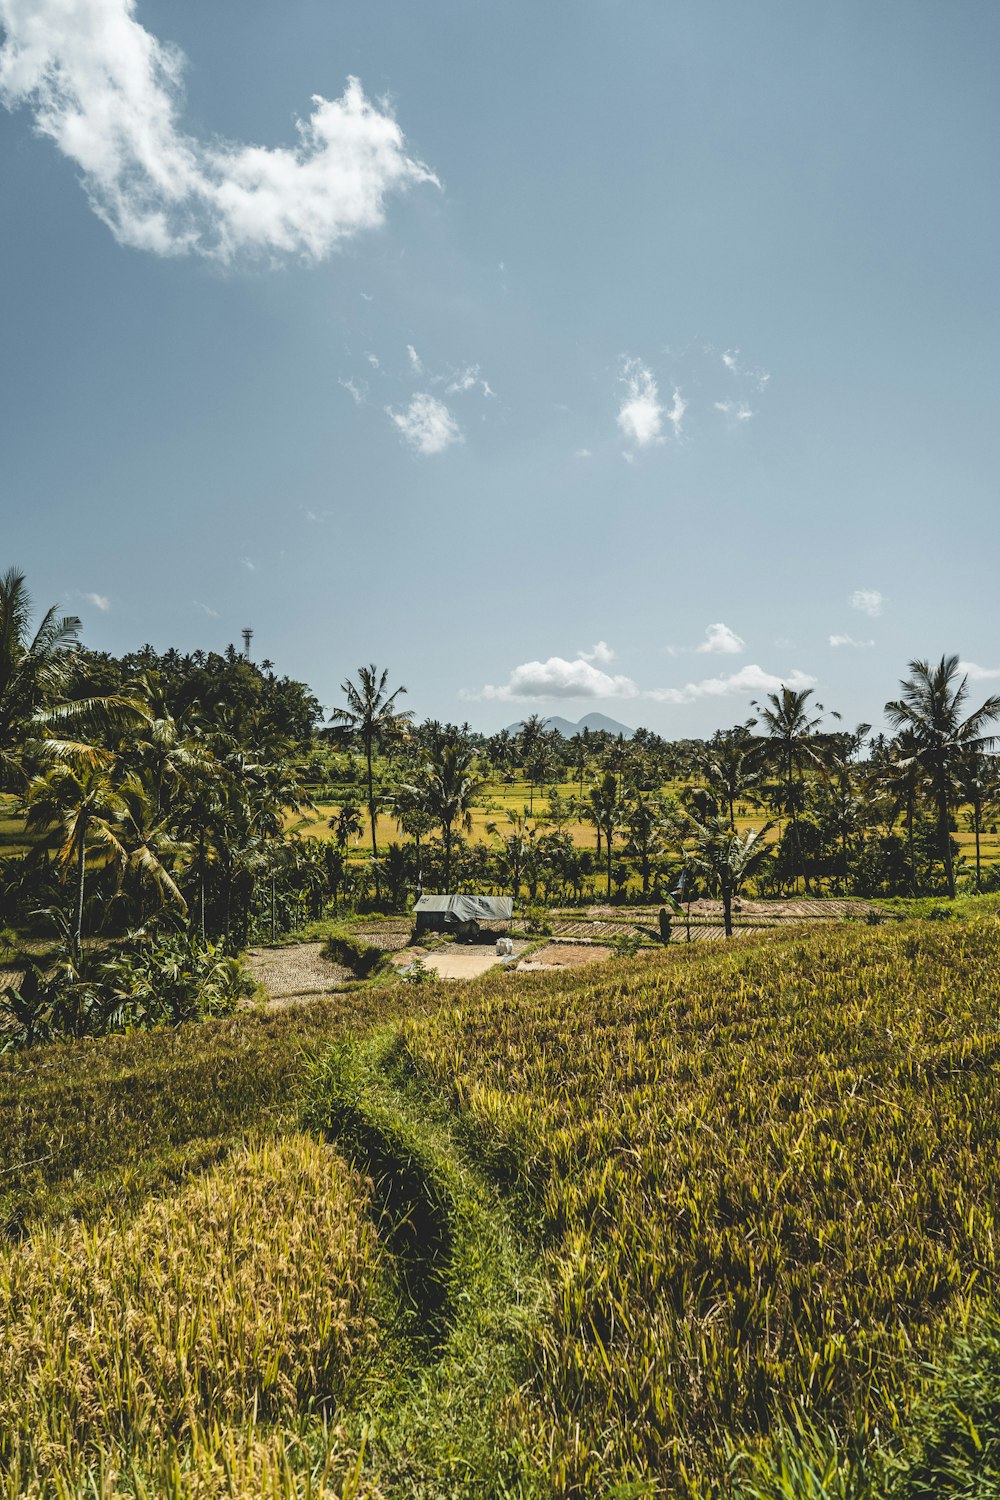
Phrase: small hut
(463, 915)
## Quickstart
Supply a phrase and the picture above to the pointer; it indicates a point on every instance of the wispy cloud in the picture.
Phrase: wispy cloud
(250, 566)
(427, 425)
(640, 415)
(720, 638)
(868, 601)
(213, 614)
(99, 601)
(108, 94)
(753, 373)
(848, 640)
(975, 673)
(416, 363)
(358, 389)
(467, 380)
(736, 412)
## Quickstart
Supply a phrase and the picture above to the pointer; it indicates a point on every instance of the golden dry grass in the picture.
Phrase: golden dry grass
(190, 1340)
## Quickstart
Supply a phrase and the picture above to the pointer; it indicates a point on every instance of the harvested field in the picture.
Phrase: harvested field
(565, 956)
(296, 972)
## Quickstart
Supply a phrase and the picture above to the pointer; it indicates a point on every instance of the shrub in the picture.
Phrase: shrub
(363, 959)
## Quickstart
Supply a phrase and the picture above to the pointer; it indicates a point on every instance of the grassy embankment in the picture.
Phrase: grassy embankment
(757, 1191)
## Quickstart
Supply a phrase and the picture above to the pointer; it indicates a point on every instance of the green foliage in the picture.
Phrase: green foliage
(363, 959)
(153, 983)
(626, 944)
(536, 920)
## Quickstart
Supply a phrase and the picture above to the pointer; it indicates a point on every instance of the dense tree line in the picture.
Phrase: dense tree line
(159, 788)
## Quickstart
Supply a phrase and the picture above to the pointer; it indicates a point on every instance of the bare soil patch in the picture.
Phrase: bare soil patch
(295, 973)
(564, 956)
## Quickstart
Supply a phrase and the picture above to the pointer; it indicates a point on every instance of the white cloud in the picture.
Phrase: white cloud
(581, 678)
(640, 415)
(600, 652)
(675, 416)
(723, 640)
(373, 360)
(213, 614)
(416, 363)
(978, 674)
(427, 424)
(869, 601)
(848, 640)
(558, 678)
(108, 94)
(749, 679)
(358, 390)
(735, 411)
(583, 453)
(99, 601)
(251, 567)
(731, 360)
(466, 379)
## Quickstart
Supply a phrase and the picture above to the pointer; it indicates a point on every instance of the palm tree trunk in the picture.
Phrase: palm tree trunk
(944, 834)
(81, 878)
(976, 811)
(446, 830)
(727, 908)
(371, 815)
(608, 839)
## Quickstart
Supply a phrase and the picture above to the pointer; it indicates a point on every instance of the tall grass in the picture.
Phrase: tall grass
(87, 1124)
(179, 1338)
(768, 1183)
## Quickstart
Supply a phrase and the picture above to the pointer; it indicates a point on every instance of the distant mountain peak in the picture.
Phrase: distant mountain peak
(595, 722)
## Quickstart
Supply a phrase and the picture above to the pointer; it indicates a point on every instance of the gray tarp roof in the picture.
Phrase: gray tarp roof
(469, 908)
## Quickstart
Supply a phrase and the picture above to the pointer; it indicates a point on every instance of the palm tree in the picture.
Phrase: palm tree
(449, 783)
(898, 775)
(728, 859)
(930, 706)
(371, 714)
(649, 829)
(34, 668)
(726, 766)
(794, 743)
(87, 808)
(606, 813)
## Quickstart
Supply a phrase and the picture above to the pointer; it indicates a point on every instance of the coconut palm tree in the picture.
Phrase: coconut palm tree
(34, 667)
(87, 807)
(371, 715)
(448, 784)
(793, 743)
(726, 765)
(607, 813)
(728, 859)
(930, 706)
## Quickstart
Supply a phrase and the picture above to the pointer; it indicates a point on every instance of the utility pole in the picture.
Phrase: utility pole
(247, 638)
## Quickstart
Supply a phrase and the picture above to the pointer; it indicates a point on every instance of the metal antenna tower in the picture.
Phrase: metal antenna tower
(247, 638)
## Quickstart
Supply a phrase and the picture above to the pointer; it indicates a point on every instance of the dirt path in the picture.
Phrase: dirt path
(295, 973)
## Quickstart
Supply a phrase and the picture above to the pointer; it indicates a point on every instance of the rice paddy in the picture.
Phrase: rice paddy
(669, 1226)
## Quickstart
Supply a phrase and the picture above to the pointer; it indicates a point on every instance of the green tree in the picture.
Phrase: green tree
(793, 743)
(607, 813)
(88, 809)
(728, 859)
(930, 706)
(372, 716)
(449, 783)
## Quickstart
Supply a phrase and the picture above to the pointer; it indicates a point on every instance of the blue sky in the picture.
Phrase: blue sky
(601, 354)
